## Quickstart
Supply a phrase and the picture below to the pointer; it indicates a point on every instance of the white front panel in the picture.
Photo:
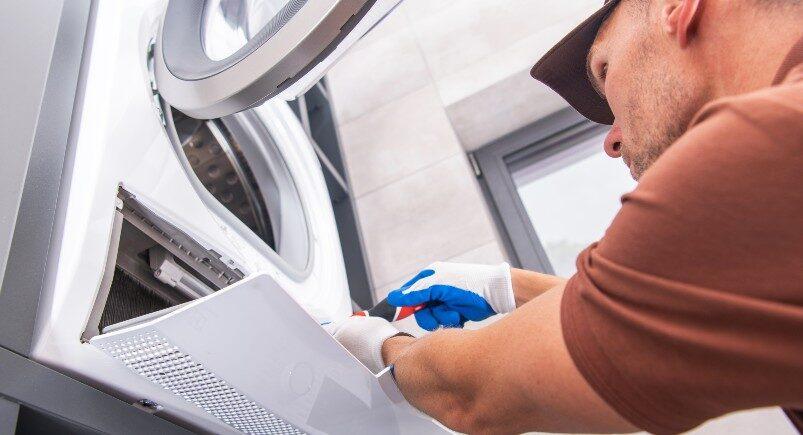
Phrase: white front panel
(250, 356)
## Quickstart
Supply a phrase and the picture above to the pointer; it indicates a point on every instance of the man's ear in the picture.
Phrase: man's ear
(679, 19)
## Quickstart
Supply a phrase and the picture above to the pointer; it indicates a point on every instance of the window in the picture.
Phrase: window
(552, 189)
(571, 198)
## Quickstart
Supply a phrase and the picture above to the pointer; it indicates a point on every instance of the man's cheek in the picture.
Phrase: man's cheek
(614, 94)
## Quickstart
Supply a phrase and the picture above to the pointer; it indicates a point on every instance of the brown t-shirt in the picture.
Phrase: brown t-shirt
(691, 305)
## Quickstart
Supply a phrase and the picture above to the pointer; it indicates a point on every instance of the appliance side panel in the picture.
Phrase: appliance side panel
(23, 86)
(40, 79)
(8, 416)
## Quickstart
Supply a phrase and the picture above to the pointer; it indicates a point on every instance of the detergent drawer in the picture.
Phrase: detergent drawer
(250, 356)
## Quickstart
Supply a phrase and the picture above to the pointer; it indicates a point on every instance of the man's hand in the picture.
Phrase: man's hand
(456, 293)
(363, 337)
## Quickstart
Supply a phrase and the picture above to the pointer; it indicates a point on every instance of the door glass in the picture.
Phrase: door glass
(571, 198)
(229, 24)
(237, 161)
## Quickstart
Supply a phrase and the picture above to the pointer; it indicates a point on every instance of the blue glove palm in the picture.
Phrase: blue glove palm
(456, 293)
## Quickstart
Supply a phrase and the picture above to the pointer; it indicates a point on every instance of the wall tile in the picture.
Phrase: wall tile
(433, 214)
(489, 253)
(382, 292)
(453, 38)
(377, 73)
(501, 64)
(397, 139)
(394, 23)
(418, 9)
(500, 109)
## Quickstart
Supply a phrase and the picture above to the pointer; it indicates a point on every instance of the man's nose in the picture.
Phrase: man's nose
(613, 142)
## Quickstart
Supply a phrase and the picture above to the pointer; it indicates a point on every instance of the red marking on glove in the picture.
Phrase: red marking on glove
(408, 311)
(388, 312)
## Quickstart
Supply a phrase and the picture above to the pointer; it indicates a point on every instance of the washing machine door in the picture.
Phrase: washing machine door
(217, 57)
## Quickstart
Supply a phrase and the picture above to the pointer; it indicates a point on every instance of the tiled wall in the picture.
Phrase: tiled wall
(434, 80)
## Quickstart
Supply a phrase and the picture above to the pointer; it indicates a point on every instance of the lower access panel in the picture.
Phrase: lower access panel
(250, 356)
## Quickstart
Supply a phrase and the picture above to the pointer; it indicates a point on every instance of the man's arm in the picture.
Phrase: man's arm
(529, 285)
(513, 376)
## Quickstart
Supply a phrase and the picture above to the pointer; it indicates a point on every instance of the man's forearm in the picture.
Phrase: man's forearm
(510, 377)
(427, 380)
(528, 285)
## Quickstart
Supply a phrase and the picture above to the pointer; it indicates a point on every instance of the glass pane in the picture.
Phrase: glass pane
(246, 173)
(229, 24)
(571, 198)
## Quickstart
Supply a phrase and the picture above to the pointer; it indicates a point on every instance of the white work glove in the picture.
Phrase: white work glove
(454, 293)
(363, 337)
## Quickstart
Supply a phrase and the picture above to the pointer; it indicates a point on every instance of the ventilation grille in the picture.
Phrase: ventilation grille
(153, 357)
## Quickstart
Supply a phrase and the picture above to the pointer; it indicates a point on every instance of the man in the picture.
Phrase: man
(691, 306)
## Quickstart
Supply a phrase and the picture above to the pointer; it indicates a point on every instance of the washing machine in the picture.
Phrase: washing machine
(199, 254)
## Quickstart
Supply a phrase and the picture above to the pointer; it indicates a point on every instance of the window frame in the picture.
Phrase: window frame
(495, 164)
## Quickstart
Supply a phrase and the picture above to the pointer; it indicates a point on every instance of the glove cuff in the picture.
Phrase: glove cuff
(381, 332)
(500, 290)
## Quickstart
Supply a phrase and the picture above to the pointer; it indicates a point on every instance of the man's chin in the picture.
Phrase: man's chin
(633, 173)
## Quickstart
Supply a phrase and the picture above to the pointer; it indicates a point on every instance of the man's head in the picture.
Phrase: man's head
(639, 64)
(657, 62)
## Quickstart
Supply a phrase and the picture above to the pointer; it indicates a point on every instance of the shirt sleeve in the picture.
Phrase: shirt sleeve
(691, 305)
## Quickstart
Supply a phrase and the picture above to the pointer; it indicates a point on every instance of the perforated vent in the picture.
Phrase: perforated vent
(153, 357)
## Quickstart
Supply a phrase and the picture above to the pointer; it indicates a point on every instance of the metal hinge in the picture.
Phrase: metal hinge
(474, 164)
